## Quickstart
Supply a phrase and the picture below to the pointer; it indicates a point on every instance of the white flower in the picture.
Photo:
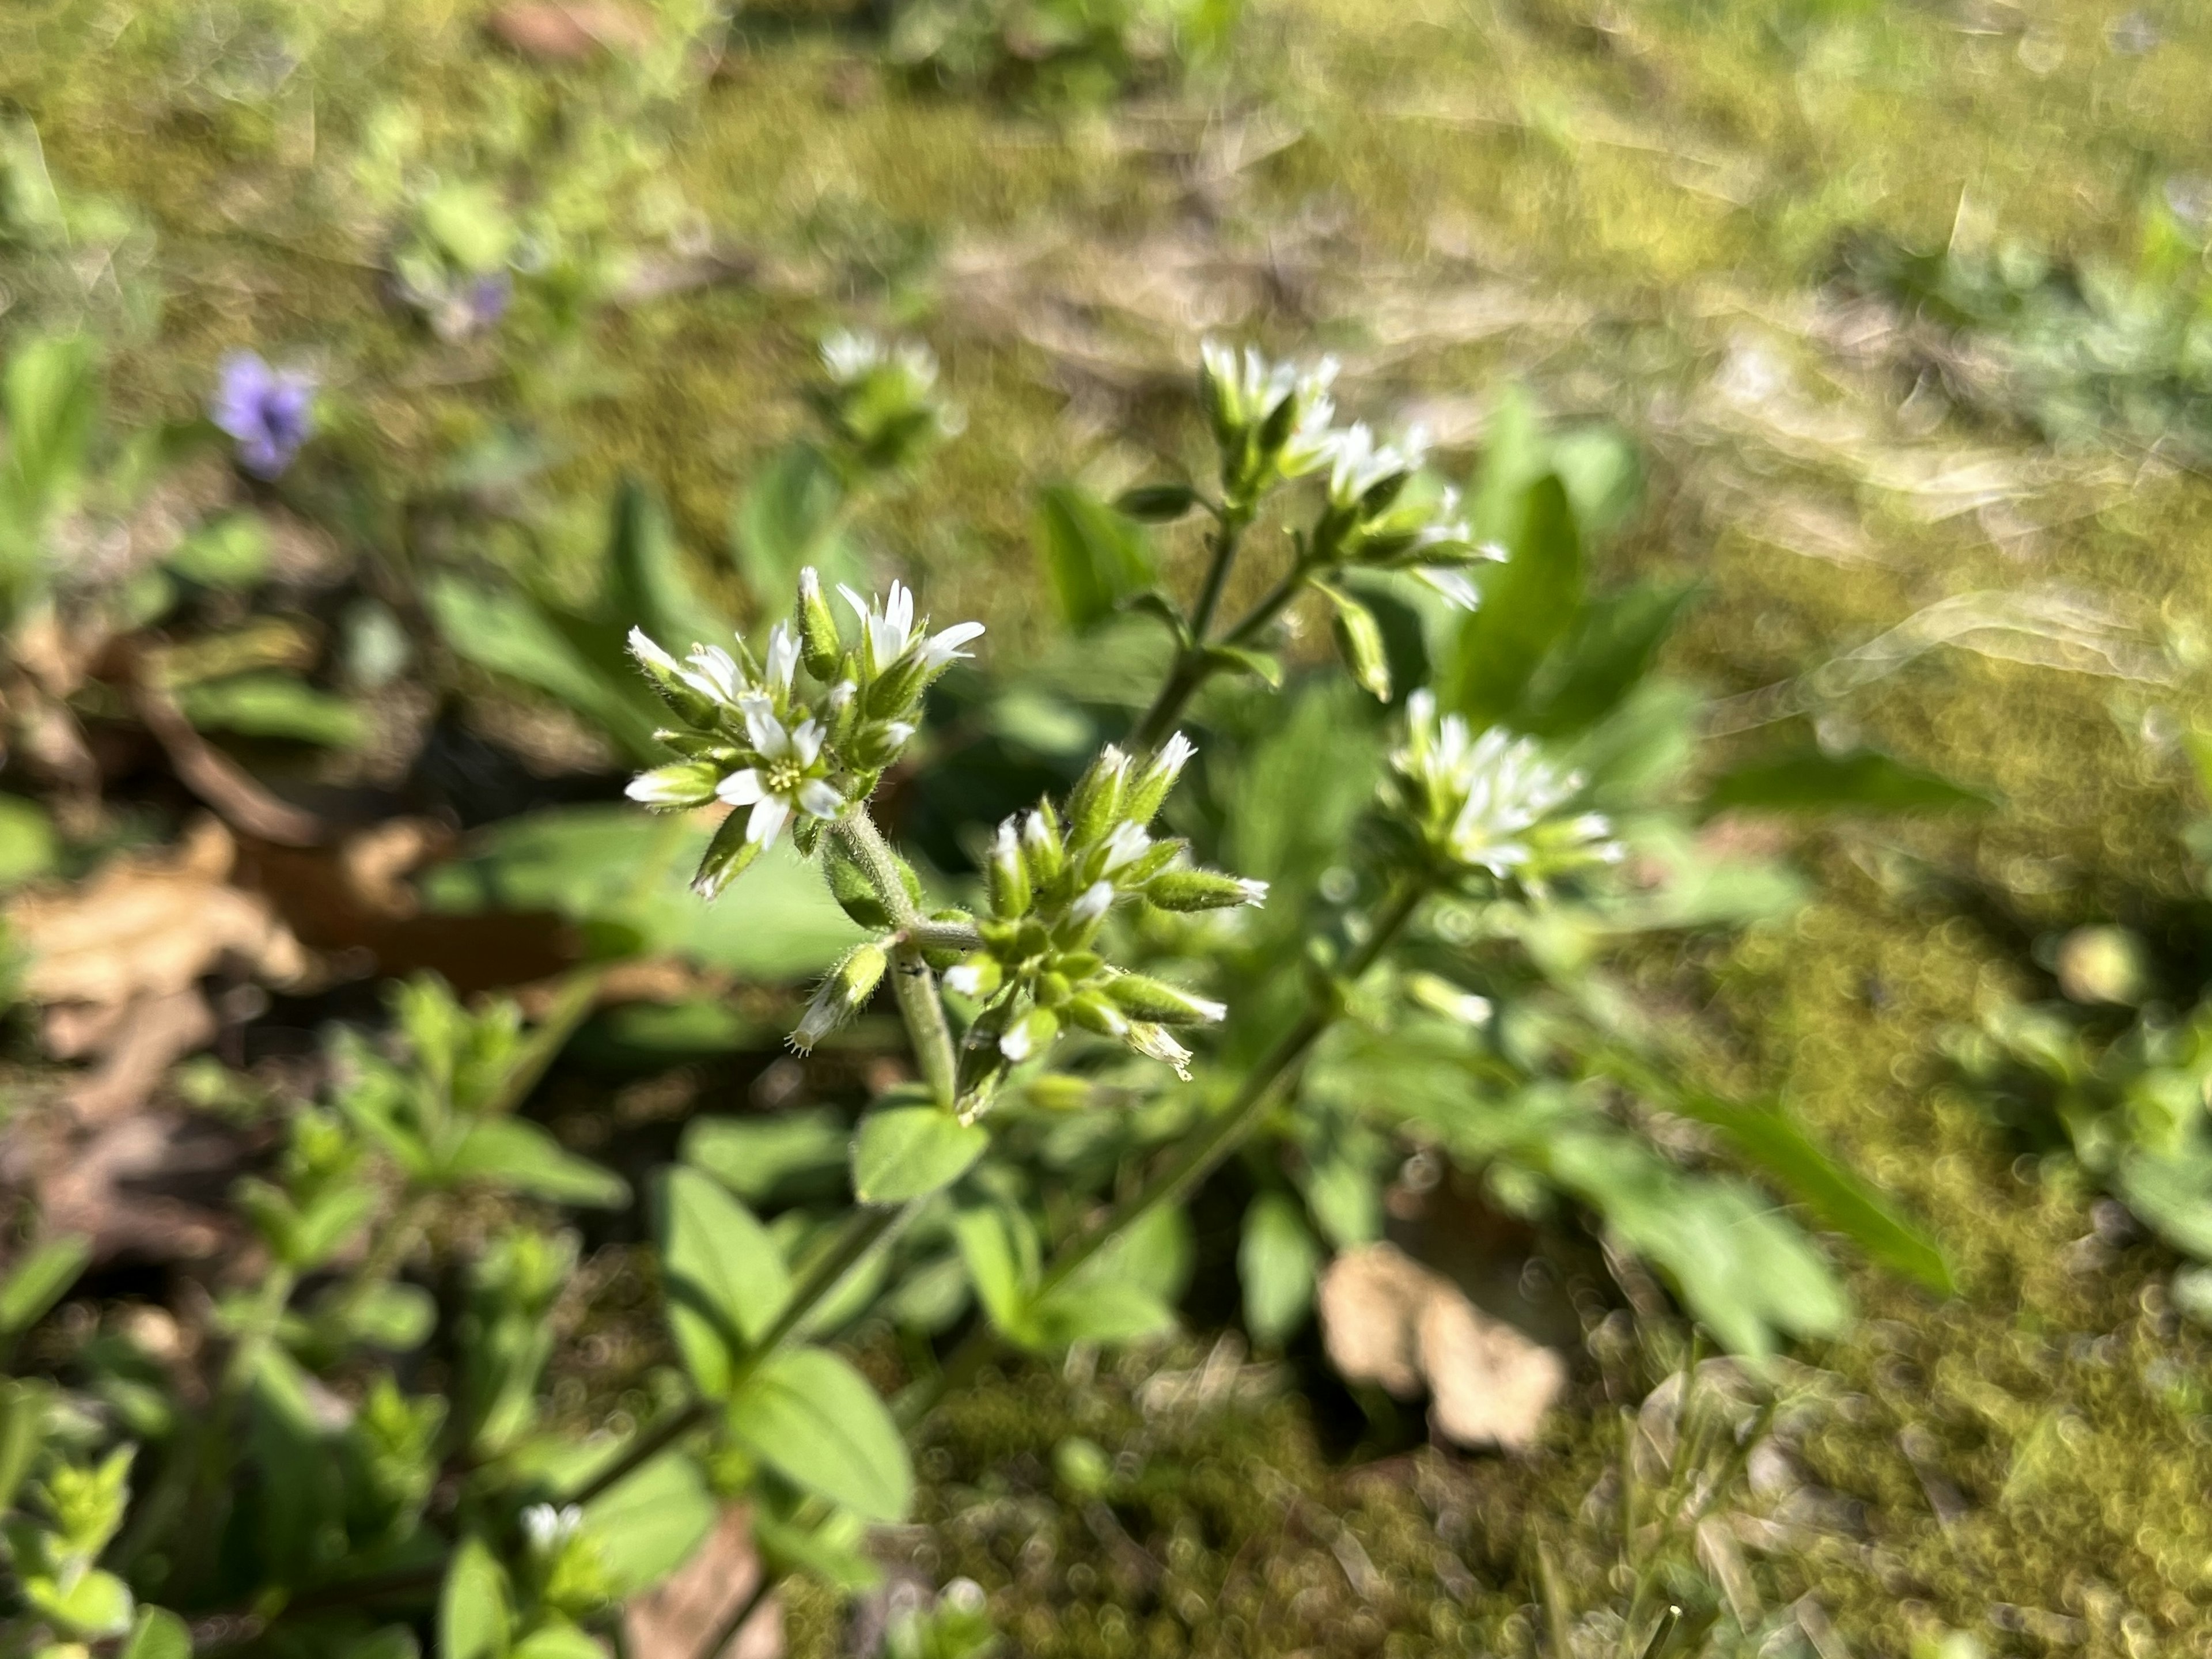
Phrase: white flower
(889, 633)
(782, 659)
(1126, 846)
(787, 778)
(549, 1529)
(1359, 464)
(1255, 892)
(1092, 902)
(1489, 793)
(1452, 584)
(851, 357)
(1251, 388)
(964, 978)
(715, 673)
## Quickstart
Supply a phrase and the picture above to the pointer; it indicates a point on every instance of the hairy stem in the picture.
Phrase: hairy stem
(1191, 669)
(912, 981)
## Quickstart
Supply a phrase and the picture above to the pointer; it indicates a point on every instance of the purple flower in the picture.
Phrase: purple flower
(489, 297)
(269, 411)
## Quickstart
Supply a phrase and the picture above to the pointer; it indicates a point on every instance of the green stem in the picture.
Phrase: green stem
(1226, 539)
(1191, 668)
(1200, 1154)
(913, 982)
(1194, 667)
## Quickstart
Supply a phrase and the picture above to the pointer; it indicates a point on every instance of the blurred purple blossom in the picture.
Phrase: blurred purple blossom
(269, 411)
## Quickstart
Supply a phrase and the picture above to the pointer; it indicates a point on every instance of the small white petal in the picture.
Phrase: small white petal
(741, 788)
(644, 649)
(1016, 1045)
(1452, 584)
(963, 977)
(819, 799)
(782, 657)
(766, 732)
(806, 741)
(771, 813)
(1255, 892)
(1093, 903)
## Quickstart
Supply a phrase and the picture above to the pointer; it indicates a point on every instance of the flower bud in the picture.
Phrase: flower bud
(1149, 792)
(820, 645)
(1202, 890)
(679, 689)
(1042, 850)
(1161, 1003)
(843, 994)
(1081, 923)
(726, 857)
(1032, 1034)
(1093, 1012)
(976, 975)
(1096, 802)
(686, 783)
(1007, 873)
(877, 745)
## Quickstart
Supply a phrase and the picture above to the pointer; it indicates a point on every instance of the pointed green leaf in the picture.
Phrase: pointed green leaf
(1810, 780)
(1359, 640)
(39, 1280)
(158, 1634)
(473, 1615)
(1527, 602)
(1277, 1260)
(819, 1423)
(726, 1279)
(911, 1151)
(509, 1153)
(1095, 556)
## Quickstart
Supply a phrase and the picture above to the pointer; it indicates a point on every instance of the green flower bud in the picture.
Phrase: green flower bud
(726, 858)
(1095, 805)
(978, 976)
(1093, 1012)
(1030, 1034)
(666, 676)
(819, 645)
(1149, 792)
(1007, 873)
(1051, 989)
(1043, 848)
(1160, 1002)
(844, 994)
(1084, 917)
(669, 788)
(1187, 889)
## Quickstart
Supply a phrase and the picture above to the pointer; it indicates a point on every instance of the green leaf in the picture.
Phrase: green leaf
(270, 704)
(1107, 1312)
(1769, 1140)
(40, 1280)
(1812, 781)
(50, 399)
(157, 1634)
(1527, 602)
(726, 1279)
(756, 1158)
(1263, 667)
(1094, 555)
(508, 634)
(855, 892)
(1159, 503)
(1277, 1262)
(2172, 1195)
(229, 552)
(588, 863)
(521, 1157)
(1001, 1254)
(470, 225)
(1603, 474)
(26, 842)
(651, 1522)
(784, 521)
(398, 1318)
(98, 1604)
(646, 583)
(23, 1432)
(1359, 640)
(473, 1613)
(815, 1421)
(1610, 651)
(562, 1641)
(392, 1642)
(834, 1553)
(912, 1151)
(329, 1222)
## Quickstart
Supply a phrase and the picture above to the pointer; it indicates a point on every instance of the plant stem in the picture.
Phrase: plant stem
(912, 981)
(1226, 539)
(1201, 1153)
(1191, 669)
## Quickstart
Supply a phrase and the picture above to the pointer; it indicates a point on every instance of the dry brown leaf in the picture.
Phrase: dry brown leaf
(674, 1620)
(1390, 1321)
(155, 1033)
(151, 924)
(567, 31)
(149, 1184)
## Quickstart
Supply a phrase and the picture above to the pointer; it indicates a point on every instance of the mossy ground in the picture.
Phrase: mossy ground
(1643, 195)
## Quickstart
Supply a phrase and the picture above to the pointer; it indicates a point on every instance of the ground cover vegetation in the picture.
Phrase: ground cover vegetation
(1102, 829)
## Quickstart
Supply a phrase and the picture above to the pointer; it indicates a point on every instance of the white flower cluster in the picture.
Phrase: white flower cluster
(1273, 421)
(1493, 802)
(780, 752)
(1053, 876)
(882, 402)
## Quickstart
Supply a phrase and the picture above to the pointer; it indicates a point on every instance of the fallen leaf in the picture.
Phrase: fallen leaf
(1390, 1321)
(567, 31)
(153, 1034)
(675, 1618)
(148, 1184)
(150, 925)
